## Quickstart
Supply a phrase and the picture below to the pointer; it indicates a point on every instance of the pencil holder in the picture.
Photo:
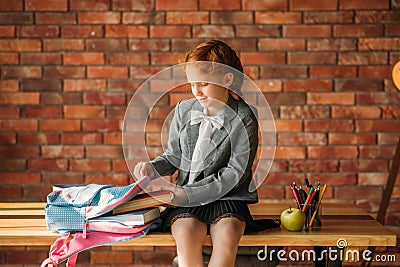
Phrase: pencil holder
(312, 213)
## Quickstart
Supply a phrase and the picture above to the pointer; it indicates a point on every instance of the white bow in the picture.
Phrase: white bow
(203, 142)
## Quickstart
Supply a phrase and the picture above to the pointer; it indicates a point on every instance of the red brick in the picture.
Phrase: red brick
(378, 98)
(64, 72)
(62, 151)
(48, 164)
(60, 125)
(352, 139)
(62, 177)
(283, 72)
(358, 30)
(128, 59)
(12, 164)
(301, 112)
(104, 99)
(278, 18)
(19, 125)
(307, 31)
(332, 44)
(358, 85)
(267, 86)
(107, 72)
(169, 31)
(104, 151)
(392, 30)
(11, 151)
(16, 18)
(83, 58)
(176, 5)
(31, 257)
(379, 43)
(113, 138)
(220, 5)
(9, 58)
(20, 178)
(144, 18)
(7, 31)
(377, 152)
(356, 112)
(9, 112)
(390, 112)
(375, 179)
(9, 86)
(166, 58)
(82, 31)
(328, 17)
(285, 99)
(8, 138)
(81, 138)
(149, 45)
(290, 152)
(89, 5)
(313, 166)
(354, 58)
(84, 112)
(255, 31)
(332, 152)
(377, 17)
(286, 125)
(40, 59)
(124, 85)
(11, 5)
(101, 125)
(21, 72)
(38, 31)
(143, 72)
(55, 18)
(347, 192)
(108, 44)
(229, 17)
(264, 5)
(312, 5)
(84, 85)
(99, 18)
(38, 138)
(127, 31)
(89, 165)
(262, 58)
(387, 138)
(184, 17)
(118, 179)
(307, 85)
(42, 112)
(63, 45)
(363, 4)
(312, 58)
(139, 5)
(60, 98)
(19, 98)
(377, 126)
(328, 126)
(211, 31)
(331, 99)
(374, 72)
(335, 178)
(302, 139)
(102, 257)
(10, 192)
(333, 71)
(44, 5)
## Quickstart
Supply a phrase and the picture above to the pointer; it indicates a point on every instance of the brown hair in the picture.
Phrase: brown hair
(220, 52)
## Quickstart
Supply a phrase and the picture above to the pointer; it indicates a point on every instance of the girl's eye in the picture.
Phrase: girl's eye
(203, 84)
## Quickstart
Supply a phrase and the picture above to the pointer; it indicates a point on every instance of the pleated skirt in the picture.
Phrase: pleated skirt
(213, 212)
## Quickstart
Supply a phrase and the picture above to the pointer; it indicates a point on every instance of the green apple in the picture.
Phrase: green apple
(293, 219)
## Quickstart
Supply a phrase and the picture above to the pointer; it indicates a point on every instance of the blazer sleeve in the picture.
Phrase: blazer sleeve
(244, 144)
(169, 161)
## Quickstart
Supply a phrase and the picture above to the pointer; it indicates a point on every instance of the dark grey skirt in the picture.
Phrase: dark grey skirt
(213, 212)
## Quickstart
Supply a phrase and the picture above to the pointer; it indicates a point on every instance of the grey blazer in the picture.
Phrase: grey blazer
(228, 173)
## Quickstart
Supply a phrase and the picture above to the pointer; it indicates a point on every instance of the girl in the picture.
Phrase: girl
(212, 188)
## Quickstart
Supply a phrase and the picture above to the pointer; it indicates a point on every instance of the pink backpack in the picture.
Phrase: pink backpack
(74, 209)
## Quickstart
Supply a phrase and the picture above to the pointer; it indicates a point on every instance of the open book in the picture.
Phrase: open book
(145, 201)
(132, 218)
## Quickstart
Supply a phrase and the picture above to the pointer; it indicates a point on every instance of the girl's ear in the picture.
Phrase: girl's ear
(228, 79)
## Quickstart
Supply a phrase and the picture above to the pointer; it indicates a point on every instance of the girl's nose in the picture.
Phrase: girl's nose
(196, 89)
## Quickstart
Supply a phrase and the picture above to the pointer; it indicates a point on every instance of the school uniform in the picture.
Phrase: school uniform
(221, 186)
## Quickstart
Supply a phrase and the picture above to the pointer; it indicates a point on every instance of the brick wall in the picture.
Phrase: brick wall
(68, 69)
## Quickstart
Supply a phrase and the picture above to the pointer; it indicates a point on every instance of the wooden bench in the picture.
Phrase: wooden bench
(23, 224)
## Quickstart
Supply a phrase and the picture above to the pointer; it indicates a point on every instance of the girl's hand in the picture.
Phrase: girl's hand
(143, 169)
(180, 196)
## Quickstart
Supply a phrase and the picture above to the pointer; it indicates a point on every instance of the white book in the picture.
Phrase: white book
(135, 218)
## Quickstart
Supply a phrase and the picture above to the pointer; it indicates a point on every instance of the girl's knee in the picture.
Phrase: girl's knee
(228, 231)
(189, 229)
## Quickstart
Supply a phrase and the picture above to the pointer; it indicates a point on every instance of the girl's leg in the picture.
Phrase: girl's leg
(225, 234)
(189, 234)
